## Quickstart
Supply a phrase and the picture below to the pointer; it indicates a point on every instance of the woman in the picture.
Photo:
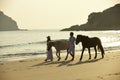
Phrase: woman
(49, 52)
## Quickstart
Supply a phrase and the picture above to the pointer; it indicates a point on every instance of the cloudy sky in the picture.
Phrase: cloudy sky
(52, 14)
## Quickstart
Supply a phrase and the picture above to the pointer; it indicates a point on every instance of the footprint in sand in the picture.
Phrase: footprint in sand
(21, 61)
(78, 79)
(114, 74)
(100, 77)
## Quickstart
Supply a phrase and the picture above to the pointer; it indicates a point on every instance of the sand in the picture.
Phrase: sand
(36, 69)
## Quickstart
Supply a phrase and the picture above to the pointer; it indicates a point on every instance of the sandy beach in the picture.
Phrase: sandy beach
(36, 69)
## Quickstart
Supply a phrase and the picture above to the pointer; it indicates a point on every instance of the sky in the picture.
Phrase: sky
(52, 14)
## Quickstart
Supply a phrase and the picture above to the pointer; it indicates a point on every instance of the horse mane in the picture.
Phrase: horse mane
(84, 36)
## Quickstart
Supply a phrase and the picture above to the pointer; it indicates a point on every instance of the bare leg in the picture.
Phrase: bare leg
(95, 53)
(89, 53)
(82, 54)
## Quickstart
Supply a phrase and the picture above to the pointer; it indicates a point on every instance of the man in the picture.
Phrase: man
(72, 45)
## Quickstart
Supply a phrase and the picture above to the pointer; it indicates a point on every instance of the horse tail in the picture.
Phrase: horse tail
(101, 48)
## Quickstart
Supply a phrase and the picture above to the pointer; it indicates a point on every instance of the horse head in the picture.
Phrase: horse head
(78, 39)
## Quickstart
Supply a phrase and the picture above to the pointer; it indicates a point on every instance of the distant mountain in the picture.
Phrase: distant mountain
(7, 23)
(109, 19)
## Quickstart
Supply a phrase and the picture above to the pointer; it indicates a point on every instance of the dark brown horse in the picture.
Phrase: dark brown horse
(90, 42)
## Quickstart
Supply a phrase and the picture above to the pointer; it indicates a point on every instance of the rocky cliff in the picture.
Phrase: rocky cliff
(7, 23)
(109, 19)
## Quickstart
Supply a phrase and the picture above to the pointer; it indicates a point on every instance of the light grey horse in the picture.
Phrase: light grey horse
(62, 44)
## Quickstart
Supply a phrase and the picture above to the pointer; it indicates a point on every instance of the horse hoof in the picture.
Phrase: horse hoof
(80, 60)
(45, 60)
(65, 59)
(59, 59)
(89, 58)
(71, 59)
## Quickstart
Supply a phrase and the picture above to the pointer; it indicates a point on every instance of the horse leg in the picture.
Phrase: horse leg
(101, 49)
(102, 55)
(67, 55)
(89, 53)
(82, 54)
(95, 53)
(59, 56)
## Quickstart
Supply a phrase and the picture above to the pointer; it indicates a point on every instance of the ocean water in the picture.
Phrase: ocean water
(17, 45)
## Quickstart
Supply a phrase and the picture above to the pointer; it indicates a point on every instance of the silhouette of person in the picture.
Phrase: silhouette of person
(72, 45)
(49, 52)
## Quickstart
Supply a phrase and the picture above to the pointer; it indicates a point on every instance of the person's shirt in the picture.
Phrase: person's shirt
(48, 40)
(72, 40)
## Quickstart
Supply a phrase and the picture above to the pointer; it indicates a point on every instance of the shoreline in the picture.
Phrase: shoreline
(37, 69)
(6, 58)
